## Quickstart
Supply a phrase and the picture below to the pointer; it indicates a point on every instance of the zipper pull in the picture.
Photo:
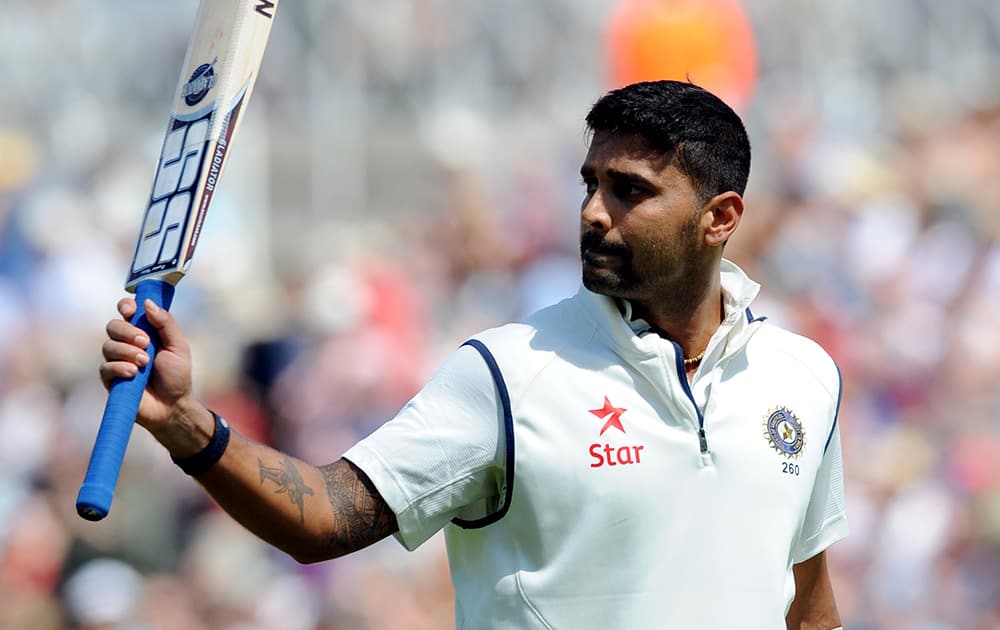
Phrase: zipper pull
(705, 457)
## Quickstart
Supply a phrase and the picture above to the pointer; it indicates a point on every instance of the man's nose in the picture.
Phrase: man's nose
(595, 213)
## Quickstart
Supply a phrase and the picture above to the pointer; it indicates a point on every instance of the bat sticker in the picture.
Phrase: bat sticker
(202, 80)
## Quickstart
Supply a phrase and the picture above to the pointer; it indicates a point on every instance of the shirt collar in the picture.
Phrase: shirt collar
(738, 291)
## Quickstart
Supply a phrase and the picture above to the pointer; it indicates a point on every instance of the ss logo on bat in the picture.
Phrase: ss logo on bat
(170, 203)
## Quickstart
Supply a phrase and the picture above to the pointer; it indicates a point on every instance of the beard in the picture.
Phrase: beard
(663, 271)
(607, 265)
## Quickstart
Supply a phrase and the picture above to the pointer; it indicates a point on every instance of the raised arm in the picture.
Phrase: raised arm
(312, 513)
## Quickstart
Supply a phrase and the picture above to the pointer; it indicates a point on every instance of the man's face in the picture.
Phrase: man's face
(640, 233)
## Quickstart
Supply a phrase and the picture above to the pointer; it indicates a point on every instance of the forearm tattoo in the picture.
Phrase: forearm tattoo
(289, 482)
(360, 515)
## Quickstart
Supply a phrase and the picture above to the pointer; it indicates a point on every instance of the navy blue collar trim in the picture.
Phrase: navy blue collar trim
(751, 319)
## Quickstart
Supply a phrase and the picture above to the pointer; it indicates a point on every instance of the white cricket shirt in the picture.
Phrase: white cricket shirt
(593, 487)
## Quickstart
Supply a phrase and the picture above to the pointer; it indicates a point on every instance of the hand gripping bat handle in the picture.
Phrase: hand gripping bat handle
(98, 489)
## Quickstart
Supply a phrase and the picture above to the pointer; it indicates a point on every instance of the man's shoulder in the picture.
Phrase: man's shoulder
(529, 345)
(557, 324)
(798, 352)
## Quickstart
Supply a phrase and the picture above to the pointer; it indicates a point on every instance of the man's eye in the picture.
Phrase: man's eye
(628, 191)
(590, 185)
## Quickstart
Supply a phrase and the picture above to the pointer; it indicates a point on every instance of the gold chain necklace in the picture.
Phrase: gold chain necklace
(694, 360)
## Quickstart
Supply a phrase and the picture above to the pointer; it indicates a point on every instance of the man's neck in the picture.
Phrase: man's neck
(690, 324)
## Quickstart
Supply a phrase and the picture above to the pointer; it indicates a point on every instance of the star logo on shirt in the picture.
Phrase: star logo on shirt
(613, 415)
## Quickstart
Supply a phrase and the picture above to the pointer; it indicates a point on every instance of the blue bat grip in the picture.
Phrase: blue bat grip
(98, 489)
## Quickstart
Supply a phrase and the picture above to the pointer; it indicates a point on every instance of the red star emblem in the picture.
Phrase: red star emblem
(612, 413)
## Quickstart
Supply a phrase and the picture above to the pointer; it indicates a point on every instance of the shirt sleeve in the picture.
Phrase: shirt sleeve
(441, 453)
(826, 518)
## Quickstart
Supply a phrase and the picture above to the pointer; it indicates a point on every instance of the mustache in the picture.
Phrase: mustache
(596, 243)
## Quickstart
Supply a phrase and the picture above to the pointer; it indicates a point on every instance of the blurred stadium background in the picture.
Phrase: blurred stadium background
(407, 175)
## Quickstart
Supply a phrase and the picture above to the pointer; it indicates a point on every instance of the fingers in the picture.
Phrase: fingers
(166, 325)
(126, 349)
(126, 306)
(122, 359)
(121, 330)
(122, 351)
(112, 370)
(159, 318)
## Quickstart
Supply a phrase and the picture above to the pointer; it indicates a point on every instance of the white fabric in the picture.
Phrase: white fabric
(666, 536)
(442, 453)
(826, 520)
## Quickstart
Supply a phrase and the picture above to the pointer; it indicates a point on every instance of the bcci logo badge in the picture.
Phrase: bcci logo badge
(784, 432)
(201, 81)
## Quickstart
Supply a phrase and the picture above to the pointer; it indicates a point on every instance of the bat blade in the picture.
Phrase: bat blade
(215, 84)
(217, 79)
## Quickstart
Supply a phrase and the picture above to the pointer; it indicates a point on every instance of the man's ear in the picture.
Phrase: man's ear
(721, 216)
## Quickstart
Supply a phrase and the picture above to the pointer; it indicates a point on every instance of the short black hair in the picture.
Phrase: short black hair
(706, 137)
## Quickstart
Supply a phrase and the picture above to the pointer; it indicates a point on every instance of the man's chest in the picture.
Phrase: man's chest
(622, 446)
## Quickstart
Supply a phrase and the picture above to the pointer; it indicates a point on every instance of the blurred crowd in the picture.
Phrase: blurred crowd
(405, 177)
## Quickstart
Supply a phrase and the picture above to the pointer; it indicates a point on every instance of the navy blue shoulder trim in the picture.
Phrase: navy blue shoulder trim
(836, 414)
(508, 427)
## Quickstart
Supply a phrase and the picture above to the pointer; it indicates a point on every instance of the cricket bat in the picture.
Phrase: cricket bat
(219, 71)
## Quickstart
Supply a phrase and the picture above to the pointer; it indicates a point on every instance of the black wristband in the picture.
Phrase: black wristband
(206, 458)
